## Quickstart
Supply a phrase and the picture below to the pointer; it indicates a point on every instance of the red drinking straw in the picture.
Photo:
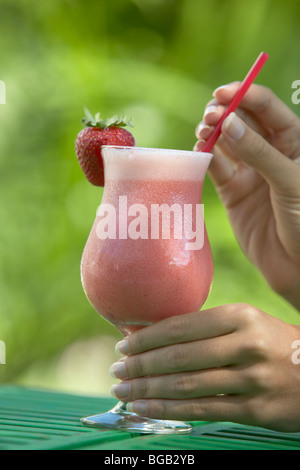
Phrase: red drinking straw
(249, 79)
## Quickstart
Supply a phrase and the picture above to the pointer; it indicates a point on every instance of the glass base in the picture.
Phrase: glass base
(120, 419)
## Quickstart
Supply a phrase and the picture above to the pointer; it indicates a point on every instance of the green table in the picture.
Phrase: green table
(43, 420)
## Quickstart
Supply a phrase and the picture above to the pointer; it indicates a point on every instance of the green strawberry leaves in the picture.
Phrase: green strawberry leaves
(95, 121)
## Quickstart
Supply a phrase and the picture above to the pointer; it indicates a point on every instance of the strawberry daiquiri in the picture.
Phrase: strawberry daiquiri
(143, 271)
(148, 255)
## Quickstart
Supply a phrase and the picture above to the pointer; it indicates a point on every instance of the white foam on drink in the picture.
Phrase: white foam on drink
(154, 164)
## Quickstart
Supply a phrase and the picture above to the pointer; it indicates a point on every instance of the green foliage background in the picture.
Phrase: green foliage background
(155, 60)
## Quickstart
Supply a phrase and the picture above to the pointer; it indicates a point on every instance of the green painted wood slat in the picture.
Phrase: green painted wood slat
(44, 420)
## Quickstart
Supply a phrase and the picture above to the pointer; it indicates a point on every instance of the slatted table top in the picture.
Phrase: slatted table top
(42, 420)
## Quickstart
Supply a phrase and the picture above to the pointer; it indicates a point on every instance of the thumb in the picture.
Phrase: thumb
(279, 171)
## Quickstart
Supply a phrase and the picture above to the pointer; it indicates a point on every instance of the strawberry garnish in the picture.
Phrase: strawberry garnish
(89, 141)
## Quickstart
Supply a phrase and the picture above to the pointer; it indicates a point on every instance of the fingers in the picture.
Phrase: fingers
(181, 329)
(189, 356)
(280, 172)
(248, 146)
(249, 139)
(262, 103)
(219, 408)
(213, 113)
(182, 385)
(222, 167)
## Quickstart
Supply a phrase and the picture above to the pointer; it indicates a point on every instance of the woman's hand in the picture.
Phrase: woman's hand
(230, 363)
(256, 170)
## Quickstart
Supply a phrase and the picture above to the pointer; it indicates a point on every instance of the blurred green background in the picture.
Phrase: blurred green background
(157, 61)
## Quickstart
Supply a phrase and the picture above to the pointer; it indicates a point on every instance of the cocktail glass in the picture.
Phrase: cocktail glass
(148, 256)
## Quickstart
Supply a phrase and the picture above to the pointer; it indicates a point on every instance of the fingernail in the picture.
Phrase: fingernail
(122, 347)
(138, 407)
(199, 145)
(219, 88)
(120, 390)
(210, 109)
(118, 370)
(201, 126)
(234, 126)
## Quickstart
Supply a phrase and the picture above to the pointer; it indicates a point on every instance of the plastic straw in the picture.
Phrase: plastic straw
(249, 79)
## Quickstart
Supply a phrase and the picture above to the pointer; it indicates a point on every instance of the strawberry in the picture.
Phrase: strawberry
(89, 141)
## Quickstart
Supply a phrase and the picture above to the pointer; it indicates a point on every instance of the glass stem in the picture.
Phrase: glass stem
(120, 407)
